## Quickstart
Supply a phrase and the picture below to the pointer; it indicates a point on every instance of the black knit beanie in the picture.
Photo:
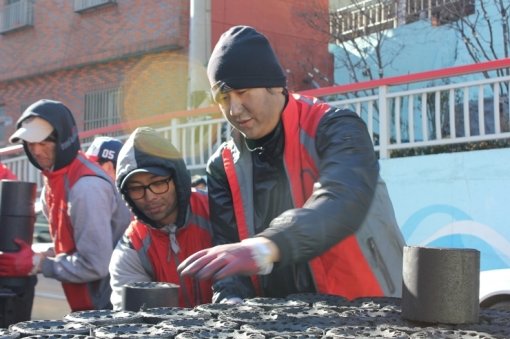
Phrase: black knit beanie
(243, 58)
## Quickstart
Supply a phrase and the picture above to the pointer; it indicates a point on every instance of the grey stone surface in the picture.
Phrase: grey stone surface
(441, 285)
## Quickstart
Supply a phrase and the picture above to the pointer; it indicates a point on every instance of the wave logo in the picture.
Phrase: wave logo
(450, 227)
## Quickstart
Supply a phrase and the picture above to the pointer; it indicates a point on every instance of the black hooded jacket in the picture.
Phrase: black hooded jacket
(87, 215)
(66, 131)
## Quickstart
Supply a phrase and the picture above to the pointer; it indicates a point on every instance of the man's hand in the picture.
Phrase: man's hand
(248, 257)
(20, 264)
(232, 301)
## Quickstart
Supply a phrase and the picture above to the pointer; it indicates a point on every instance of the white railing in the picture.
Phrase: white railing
(444, 114)
(431, 108)
(409, 112)
(197, 140)
(16, 15)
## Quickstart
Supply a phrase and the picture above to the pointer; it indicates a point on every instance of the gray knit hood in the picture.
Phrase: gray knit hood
(146, 148)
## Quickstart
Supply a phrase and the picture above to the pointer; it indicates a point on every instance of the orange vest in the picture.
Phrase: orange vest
(57, 187)
(159, 260)
(343, 269)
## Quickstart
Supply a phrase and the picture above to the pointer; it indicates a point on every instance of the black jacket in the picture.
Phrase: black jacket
(346, 157)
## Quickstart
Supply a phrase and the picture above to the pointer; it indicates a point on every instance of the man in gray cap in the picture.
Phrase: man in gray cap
(296, 201)
(86, 214)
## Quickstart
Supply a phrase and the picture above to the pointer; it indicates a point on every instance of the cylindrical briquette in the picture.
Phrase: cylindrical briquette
(441, 285)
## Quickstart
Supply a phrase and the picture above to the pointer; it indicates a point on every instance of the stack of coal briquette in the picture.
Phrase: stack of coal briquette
(297, 316)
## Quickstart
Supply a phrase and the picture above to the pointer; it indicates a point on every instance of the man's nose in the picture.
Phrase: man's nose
(149, 195)
(236, 106)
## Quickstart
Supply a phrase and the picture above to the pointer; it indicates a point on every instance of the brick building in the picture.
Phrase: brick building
(298, 31)
(118, 60)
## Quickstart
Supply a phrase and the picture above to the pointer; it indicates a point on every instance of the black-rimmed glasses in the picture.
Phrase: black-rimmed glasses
(156, 187)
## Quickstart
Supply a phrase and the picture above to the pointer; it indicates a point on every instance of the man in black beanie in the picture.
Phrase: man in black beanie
(244, 58)
(296, 201)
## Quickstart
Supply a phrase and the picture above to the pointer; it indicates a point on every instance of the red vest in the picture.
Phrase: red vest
(57, 187)
(343, 269)
(154, 249)
(6, 173)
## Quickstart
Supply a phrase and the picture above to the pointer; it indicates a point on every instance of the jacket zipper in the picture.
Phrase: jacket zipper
(380, 263)
(174, 249)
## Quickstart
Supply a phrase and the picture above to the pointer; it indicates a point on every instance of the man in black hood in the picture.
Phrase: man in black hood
(172, 218)
(86, 214)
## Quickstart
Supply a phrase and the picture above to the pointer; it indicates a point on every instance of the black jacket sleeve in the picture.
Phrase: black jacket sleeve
(348, 173)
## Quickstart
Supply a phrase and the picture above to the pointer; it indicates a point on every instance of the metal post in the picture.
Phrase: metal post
(199, 47)
(384, 124)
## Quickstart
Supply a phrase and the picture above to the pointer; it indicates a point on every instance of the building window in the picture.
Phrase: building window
(102, 108)
(439, 12)
(5, 120)
(359, 18)
(84, 5)
(16, 14)
(355, 18)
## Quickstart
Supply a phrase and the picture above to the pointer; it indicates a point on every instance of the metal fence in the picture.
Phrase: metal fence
(451, 106)
(197, 140)
(469, 111)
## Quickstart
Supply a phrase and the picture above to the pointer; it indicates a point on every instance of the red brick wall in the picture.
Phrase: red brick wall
(67, 54)
(68, 87)
(153, 84)
(61, 38)
(299, 47)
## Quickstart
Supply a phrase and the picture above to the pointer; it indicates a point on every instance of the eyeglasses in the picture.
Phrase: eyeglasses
(156, 187)
(218, 89)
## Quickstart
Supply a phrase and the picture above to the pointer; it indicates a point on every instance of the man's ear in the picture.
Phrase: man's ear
(109, 168)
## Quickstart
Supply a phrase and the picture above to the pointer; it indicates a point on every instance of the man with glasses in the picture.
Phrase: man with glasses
(86, 213)
(171, 219)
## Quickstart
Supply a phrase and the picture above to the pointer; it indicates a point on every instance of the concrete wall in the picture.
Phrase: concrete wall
(454, 200)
